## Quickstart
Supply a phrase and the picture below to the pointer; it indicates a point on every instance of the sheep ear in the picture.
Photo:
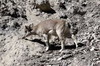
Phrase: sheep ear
(69, 26)
(26, 27)
(31, 25)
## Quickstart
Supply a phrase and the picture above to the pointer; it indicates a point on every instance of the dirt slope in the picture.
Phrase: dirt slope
(83, 16)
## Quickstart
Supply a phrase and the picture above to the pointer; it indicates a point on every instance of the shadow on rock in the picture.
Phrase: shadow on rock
(55, 46)
(58, 47)
(38, 41)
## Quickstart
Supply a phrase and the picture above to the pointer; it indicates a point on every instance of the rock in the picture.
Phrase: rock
(82, 15)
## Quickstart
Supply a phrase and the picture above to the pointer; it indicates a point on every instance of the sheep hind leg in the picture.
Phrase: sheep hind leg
(62, 40)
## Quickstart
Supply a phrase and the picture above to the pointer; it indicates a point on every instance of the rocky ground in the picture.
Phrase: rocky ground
(83, 16)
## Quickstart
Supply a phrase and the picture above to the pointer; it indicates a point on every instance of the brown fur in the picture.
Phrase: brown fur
(54, 27)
